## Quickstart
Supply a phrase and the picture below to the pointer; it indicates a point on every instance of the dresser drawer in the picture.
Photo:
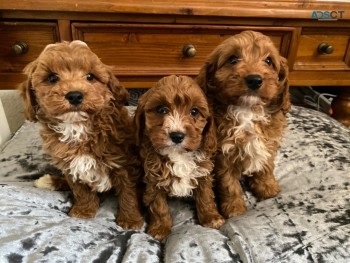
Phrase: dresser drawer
(157, 50)
(27, 39)
(323, 49)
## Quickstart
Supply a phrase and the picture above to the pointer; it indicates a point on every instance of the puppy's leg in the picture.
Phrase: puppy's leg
(229, 190)
(160, 219)
(263, 183)
(86, 202)
(206, 208)
(129, 211)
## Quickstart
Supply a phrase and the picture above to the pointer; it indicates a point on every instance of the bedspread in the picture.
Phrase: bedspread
(309, 221)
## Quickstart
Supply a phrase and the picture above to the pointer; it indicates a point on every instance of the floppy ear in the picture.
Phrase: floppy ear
(27, 92)
(139, 118)
(210, 138)
(120, 93)
(283, 80)
(205, 78)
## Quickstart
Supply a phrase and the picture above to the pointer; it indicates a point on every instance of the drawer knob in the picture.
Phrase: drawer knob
(189, 51)
(325, 48)
(20, 48)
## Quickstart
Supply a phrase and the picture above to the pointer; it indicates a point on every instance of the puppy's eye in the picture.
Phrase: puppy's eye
(90, 77)
(162, 110)
(53, 78)
(194, 112)
(233, 59)
(268, 61)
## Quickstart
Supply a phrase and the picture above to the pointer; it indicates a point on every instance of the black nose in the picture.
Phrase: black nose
(74, 97)
(253, 82)
(177, 137)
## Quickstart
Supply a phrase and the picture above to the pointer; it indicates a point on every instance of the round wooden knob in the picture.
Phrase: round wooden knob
(189, 51)
(325, 48)
(20, 48)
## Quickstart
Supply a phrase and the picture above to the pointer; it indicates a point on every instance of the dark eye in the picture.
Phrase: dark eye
(268, 61)
(233, 59)
(162, 110)
(53, 78)
(194, 112)
(90, 77)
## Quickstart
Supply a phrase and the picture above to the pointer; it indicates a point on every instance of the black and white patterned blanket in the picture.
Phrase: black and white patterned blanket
(309, 221)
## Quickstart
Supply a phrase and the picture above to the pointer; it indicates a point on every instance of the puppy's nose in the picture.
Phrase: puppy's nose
(74, 97)
(253, 82)
(177, 137)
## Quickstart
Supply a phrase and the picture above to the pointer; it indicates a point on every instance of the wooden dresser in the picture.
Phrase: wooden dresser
(145, 40)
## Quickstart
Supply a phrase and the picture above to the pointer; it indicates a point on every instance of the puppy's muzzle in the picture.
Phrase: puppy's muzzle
(74, 97)
(254, 82)
(177, 137)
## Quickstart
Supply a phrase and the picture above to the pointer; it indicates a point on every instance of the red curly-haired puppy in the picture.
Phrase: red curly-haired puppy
(246, 81)
(86, 129)
(177, 139)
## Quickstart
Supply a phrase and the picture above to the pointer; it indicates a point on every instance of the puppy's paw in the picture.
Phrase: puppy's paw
(130, 223)
(51, 182)
(159, 232)
(83, 211)
(267, 190)
(215, 221)
(233, 208)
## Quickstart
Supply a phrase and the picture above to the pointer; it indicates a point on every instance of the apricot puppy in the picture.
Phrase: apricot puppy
(246, 81)
(176, 135)
(86, 129)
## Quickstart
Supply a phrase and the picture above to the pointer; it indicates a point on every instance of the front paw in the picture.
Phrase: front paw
(159, 232)
(214, 221)
(126, 223)
(233, 208)
(266, 190)
(81, 211)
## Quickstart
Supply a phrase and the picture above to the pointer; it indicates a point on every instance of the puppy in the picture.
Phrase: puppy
(86, 129)
(246, 81)
(176, 135)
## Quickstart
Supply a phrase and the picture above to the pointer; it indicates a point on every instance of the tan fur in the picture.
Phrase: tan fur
(52, 182)
(171, 169)
(250, 122)
(91, 143)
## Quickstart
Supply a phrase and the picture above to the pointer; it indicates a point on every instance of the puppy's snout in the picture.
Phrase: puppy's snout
(254, 82)
(74, 97)
(177, 137)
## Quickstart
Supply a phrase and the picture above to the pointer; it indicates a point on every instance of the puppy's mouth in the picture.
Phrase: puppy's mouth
(248, 100)
(172, 149)
(73, 116)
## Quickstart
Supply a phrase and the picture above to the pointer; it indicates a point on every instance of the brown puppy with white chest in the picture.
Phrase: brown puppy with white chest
(176, 134)
(246, 81)
(86, 129)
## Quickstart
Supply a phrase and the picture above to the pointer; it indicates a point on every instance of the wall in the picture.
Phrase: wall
(11, 113)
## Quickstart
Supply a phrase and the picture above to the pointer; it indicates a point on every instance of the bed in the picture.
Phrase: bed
(309, 221)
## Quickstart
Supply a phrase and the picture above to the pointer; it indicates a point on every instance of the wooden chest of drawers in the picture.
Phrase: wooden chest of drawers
(144, 53)
(145, 40)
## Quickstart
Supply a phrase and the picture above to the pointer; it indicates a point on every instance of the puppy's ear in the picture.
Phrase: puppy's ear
(27, 92)
(139, 118)
(283, 80)
(120, 94)
(205, 78)
(210, 138)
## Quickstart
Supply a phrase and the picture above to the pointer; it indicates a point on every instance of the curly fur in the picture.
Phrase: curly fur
(176, 104)
(250, 120)
(90, 142)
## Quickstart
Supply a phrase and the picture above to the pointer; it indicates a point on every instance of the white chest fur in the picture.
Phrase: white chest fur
(71, 132)
(73, 127)
(184, 169)
(86, 169)
(244, 139)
